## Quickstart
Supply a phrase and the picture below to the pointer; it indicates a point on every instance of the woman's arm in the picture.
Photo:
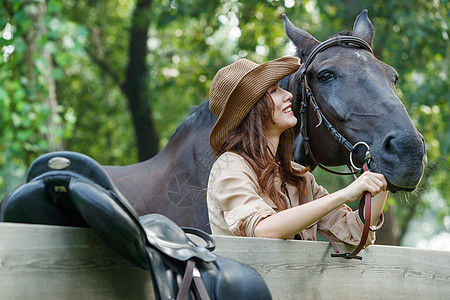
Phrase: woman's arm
(377, 203)
(289, 222)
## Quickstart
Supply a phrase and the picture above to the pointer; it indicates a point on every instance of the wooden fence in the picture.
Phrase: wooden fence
(52, 262)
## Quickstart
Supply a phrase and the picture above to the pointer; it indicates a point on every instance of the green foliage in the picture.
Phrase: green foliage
(27, 32)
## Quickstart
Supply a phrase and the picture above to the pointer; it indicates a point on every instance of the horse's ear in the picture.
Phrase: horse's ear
(363, 28)
(304, 42)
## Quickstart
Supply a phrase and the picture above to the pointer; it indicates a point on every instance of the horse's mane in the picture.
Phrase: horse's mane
(199, 117)
(344, 33)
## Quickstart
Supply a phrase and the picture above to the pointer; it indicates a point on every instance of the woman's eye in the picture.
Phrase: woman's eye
(273, 91)
(326, 76)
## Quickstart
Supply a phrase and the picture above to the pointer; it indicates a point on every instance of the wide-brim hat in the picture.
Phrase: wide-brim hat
(237, 87)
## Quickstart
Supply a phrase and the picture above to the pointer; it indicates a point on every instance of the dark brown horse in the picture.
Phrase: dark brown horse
(355, 92)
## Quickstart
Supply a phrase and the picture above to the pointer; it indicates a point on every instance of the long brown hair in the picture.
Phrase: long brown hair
(250, 141)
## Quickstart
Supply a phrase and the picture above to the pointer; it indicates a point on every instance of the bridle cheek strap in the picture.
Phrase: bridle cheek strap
(308, 97)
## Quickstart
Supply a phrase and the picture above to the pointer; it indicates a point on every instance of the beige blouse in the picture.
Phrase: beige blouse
(236, 204)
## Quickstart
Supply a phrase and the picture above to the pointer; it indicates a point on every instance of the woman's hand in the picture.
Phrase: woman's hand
(371, 182)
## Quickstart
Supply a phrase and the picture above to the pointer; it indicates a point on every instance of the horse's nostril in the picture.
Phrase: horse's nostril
(402, 144)
(423, 144)
(388, 144)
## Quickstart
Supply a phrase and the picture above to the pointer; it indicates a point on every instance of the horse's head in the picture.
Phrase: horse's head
(356, 93)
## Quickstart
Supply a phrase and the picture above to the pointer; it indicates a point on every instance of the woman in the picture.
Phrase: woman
(254, 188)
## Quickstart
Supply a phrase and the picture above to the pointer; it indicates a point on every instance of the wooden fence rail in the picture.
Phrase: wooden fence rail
(52, 262)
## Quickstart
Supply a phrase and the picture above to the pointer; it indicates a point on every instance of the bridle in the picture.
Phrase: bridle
(308, 96)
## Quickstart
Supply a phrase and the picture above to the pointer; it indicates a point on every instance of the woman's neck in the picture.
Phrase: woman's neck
(273, 144)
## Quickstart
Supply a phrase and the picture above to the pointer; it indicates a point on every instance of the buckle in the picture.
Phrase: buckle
(345, 255)
(196, 272)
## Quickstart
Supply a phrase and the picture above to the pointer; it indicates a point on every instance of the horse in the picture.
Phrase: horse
(355, 92)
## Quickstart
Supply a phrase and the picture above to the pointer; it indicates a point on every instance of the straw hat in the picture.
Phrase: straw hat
(237, 87)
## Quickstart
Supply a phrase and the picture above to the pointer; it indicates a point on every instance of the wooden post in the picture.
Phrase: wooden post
(53, 262)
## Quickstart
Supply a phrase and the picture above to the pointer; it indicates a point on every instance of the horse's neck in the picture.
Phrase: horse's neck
(291, 83)
(190, 141)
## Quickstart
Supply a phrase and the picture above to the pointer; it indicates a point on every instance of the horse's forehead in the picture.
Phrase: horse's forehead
(350, 60)
(359, 56)
(340, 55)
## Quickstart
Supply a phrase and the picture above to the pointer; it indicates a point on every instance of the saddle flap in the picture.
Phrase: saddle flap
(170, 239)
(113, 223)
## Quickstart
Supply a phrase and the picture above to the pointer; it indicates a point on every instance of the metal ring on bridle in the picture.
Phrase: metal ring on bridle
(367, 157)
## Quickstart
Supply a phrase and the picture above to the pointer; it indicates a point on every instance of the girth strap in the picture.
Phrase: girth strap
(192, 273)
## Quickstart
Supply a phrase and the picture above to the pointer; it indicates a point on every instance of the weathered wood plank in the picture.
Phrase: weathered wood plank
(293, 268)
(51, 262)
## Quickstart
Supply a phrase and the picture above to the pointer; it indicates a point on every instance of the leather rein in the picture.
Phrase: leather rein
(308, 96)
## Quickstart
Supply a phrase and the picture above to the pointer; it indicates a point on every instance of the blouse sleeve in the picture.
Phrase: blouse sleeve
(234, 187)
(343, 224)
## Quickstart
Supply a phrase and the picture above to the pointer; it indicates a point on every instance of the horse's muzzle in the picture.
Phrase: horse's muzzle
(394, 189)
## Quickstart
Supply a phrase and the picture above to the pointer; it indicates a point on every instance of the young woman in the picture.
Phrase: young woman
(254, 188)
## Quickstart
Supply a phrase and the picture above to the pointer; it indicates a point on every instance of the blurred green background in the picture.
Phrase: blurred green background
(81, 75)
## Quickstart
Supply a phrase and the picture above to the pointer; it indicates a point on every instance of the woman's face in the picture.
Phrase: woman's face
(282, 115)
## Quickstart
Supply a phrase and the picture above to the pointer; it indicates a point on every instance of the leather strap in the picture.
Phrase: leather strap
(187, 279)
(210, 243)
(366, 205)
(191, 272)
(308, 96)
(199, 286)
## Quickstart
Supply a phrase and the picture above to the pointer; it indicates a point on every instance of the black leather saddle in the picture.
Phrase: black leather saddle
(71, 189)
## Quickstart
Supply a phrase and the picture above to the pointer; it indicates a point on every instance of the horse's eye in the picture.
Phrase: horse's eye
(326, 76)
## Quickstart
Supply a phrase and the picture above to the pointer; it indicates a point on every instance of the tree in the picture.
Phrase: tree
(134, 85)
(31, 118)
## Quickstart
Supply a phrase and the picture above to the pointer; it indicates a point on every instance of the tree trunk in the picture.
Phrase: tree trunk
(389, 233)
(38, 30)
(136, 82)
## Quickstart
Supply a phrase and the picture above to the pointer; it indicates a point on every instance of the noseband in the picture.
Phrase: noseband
(308, 96)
